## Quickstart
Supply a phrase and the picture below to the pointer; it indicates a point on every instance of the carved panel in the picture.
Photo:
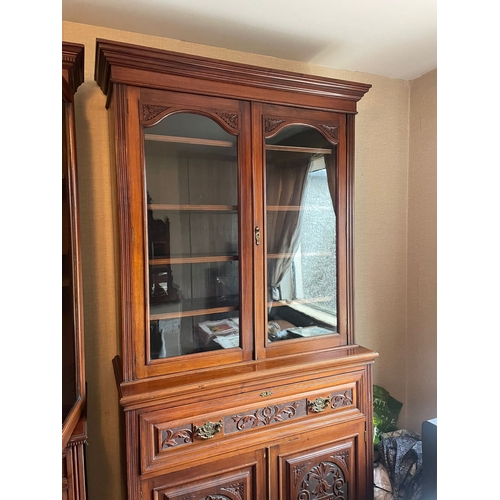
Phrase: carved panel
(175, 437)
(207, 491)
(237, 490)
(298, 471)
(231, 119)
(209, 497)
(343, 456)
(324, 481)
(151, 111)
(331, 131)
(343, 398)
(264, 416)
(271, 123)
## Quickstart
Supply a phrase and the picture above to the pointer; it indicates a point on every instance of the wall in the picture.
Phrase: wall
(382, 131)
(421, 345)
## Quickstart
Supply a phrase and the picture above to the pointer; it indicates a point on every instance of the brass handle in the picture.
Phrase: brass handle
(257, 235)
(208, 430)
(319, 404)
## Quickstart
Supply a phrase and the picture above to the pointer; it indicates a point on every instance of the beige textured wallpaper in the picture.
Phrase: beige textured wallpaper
(421, 345)
(381, 206)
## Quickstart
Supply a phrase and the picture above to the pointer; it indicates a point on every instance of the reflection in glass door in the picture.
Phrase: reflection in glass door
(301, 234)
(192, 236)
(69, 368)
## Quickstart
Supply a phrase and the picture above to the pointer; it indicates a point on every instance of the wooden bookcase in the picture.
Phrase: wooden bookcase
(74, 424)
(238, 375)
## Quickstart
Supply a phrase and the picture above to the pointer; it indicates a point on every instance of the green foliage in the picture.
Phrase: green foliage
(386, 411)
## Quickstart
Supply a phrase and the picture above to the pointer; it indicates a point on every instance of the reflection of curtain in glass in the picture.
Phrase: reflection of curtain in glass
(331, 175)
(286, 180)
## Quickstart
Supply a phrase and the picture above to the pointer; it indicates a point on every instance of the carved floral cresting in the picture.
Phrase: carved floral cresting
(271, 123)
(151, 111)
(231, 119)
(331, 131)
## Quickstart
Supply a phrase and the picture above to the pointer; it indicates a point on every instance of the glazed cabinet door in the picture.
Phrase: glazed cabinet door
(241, 477)
(329, 464)
(302, 207)
(185, 232)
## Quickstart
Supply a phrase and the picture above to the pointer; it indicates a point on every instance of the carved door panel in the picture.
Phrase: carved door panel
(235, 478)
(320, 465)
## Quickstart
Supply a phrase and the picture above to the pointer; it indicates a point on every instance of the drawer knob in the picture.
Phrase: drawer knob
(319, 404)
(208, 430)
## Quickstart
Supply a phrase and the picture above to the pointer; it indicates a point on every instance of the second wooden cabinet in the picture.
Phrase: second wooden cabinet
(239, 374)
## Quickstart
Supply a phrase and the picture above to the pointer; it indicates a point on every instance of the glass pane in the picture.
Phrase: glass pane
(69, 382)
(301, 234)
(192, 231)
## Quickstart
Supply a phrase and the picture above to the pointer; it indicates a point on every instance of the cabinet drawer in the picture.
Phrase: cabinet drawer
(241, 476)
(181, 434)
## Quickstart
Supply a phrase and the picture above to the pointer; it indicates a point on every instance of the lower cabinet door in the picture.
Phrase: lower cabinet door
(329, 464)
(237, 477)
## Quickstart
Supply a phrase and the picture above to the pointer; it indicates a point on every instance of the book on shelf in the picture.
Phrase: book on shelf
(310, 331)
(209, 330)
(228, 341)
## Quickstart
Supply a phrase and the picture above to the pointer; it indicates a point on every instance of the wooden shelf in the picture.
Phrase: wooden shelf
(295, 208)
(297, 149)
(291, 303)
(192, 260)
(228, 144)
(188, 140)
(192, 307)
(192, 208)
(303, 254)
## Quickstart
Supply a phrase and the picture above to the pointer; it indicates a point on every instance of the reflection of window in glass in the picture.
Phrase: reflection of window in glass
(314, 265)
(301, 234)
(313, 271)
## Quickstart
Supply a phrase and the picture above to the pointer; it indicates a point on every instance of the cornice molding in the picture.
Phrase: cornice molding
(73, 55)
(112, 55)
